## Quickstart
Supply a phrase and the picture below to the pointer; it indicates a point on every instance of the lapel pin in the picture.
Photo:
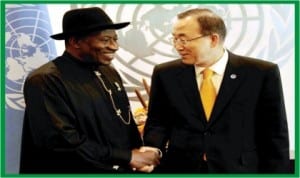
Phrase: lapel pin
(233, 76)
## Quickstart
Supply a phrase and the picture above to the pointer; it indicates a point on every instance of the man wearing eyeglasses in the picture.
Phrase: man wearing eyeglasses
(213, 111)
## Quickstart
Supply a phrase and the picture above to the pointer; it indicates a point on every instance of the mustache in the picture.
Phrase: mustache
(110, 51)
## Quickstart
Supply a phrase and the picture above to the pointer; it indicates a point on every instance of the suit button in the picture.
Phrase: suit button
(207, 133)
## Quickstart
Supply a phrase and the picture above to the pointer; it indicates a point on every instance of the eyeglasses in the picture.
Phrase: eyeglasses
(184, 41)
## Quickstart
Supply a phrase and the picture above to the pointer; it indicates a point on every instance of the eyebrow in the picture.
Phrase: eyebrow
(107, 36)
(180, 34)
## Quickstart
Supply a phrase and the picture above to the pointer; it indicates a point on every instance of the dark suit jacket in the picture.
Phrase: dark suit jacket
(247, 132)
(70, 125)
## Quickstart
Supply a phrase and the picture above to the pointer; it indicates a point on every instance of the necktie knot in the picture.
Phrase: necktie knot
(207, 73)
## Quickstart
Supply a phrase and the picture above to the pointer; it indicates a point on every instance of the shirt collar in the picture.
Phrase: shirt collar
(218, 67)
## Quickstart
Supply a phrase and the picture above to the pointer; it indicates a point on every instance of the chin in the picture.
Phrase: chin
(185, 61)
(106, 62)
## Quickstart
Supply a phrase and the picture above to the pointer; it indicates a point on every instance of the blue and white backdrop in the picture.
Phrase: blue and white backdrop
(263, 31)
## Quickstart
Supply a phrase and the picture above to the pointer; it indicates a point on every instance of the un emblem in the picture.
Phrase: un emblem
(27, 45)
(146, 42)
(252, 30)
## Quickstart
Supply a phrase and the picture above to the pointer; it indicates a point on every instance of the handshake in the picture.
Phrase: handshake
(145, 159)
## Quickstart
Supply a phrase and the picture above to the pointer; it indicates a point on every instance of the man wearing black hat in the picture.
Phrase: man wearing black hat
(77, 116)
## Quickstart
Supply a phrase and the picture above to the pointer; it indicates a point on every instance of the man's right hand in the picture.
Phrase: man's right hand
(144, 160)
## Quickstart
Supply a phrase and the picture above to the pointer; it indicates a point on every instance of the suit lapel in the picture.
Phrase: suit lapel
(187, 80)
(231, 81)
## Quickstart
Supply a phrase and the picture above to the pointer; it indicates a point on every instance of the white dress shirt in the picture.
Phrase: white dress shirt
(219, 70)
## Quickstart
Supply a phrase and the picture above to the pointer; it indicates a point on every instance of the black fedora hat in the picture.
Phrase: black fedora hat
(83, 21)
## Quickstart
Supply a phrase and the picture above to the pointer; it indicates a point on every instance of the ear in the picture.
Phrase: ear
(215, 39)
(74, 42)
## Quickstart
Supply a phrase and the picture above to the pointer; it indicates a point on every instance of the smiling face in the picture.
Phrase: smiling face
(98, 47)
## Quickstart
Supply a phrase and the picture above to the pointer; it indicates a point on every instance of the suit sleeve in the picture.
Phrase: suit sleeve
(158, 122)
(272, 129)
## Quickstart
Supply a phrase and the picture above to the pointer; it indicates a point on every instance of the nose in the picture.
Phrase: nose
(178, 46)
(113, 44)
